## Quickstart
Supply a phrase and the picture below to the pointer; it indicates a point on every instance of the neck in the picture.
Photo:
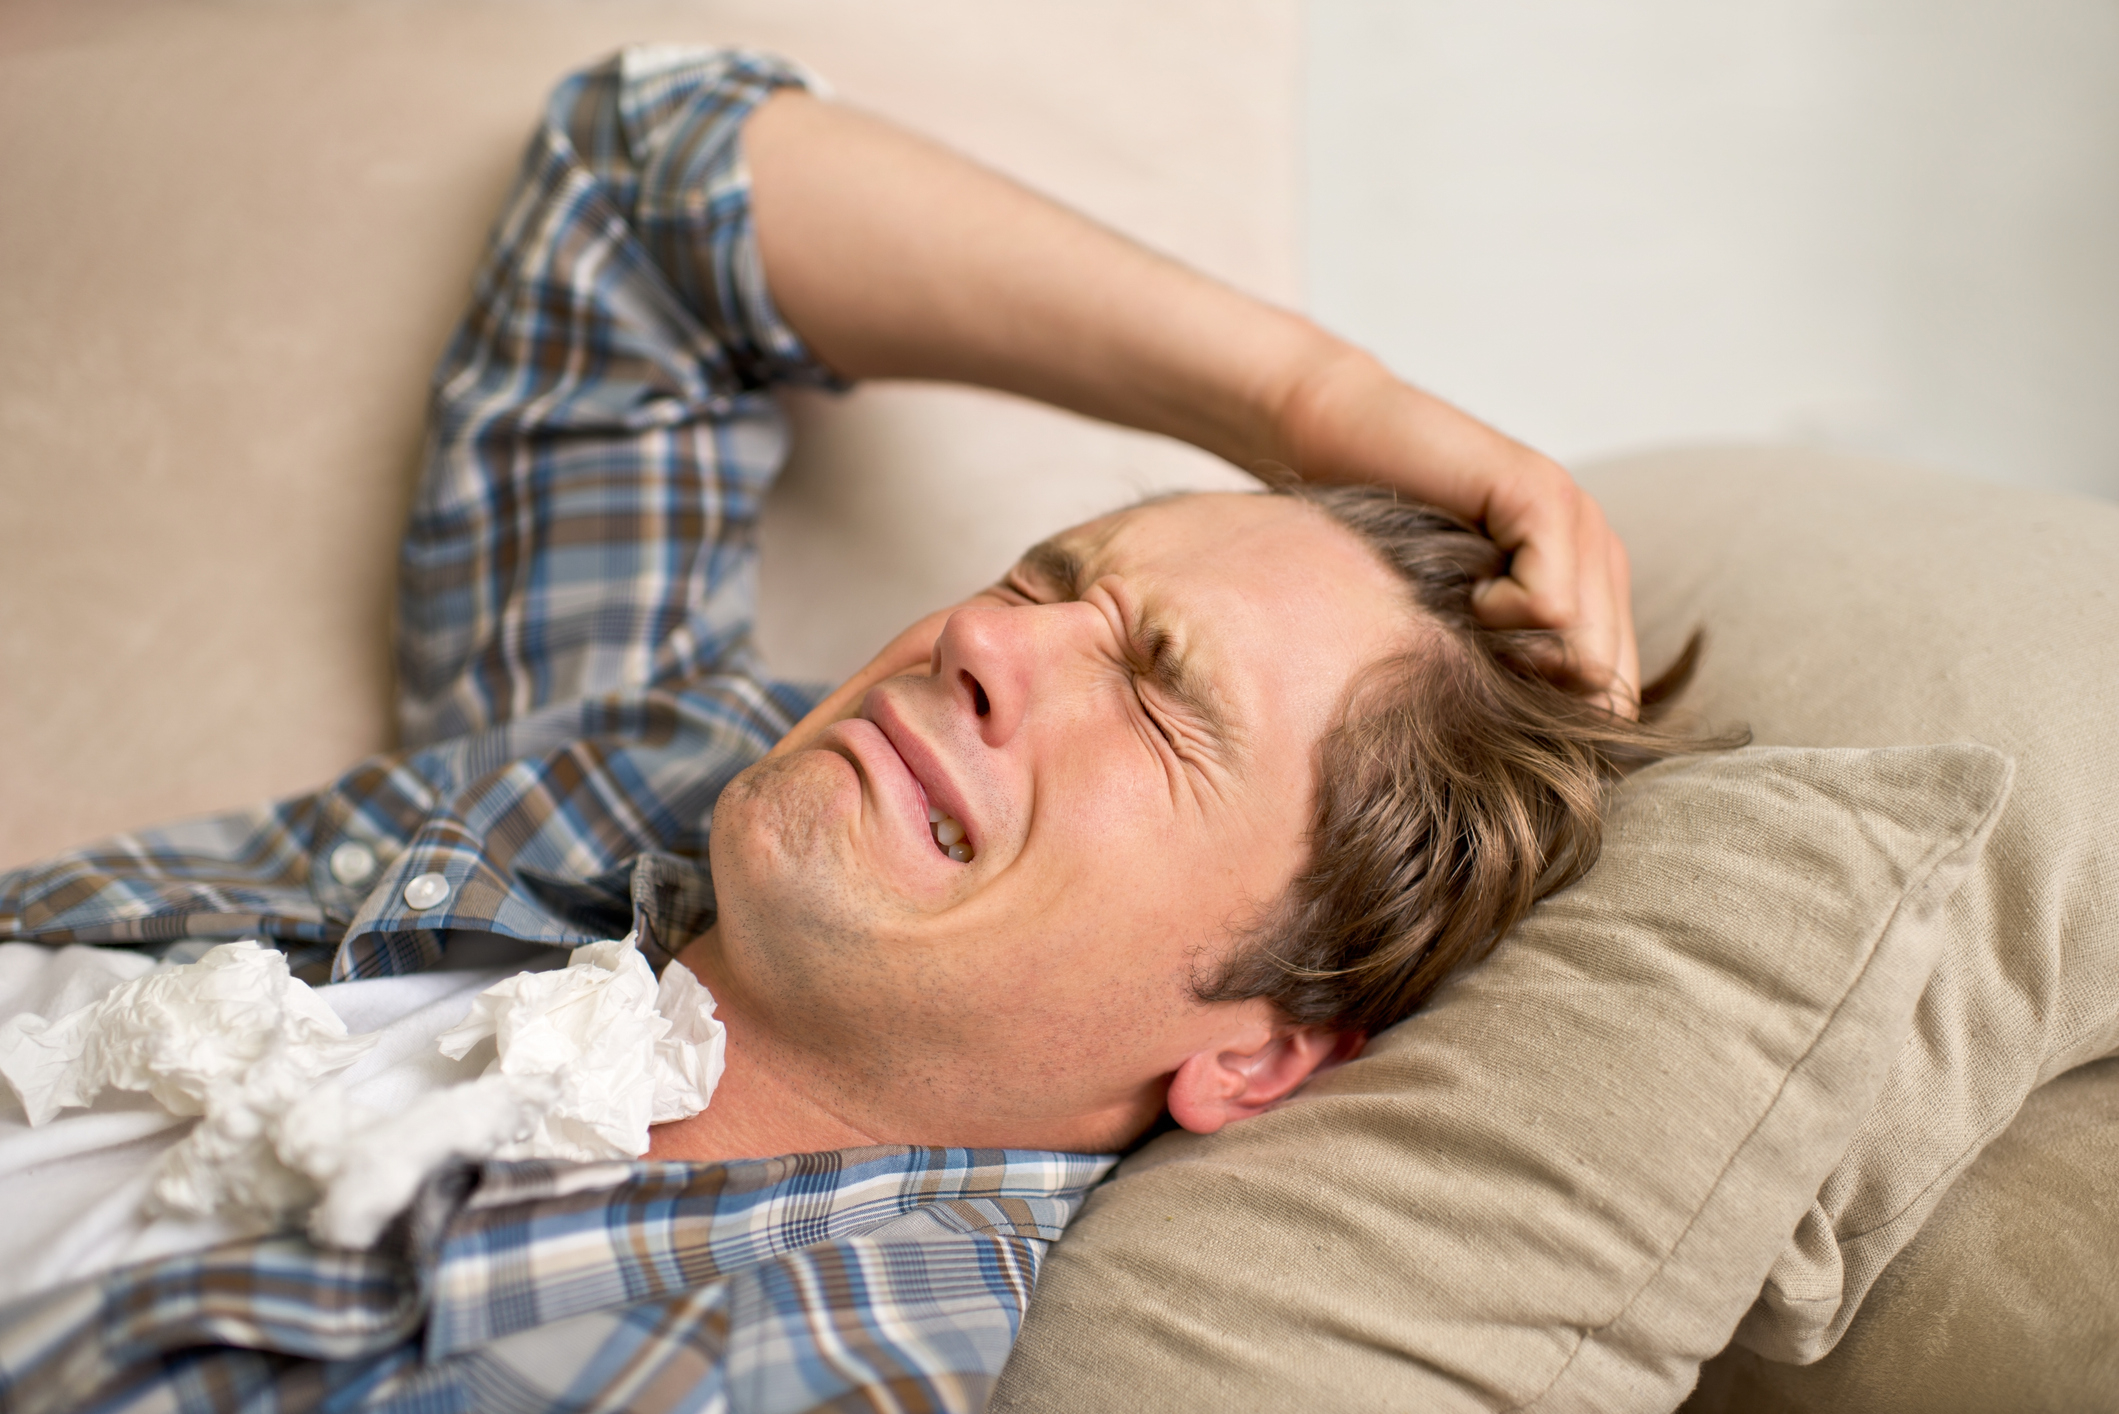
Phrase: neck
(759, 1109)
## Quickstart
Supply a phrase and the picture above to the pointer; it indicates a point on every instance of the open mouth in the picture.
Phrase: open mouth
(948, 835)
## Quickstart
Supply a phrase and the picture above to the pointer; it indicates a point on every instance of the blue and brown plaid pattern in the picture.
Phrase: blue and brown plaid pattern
(577, 686)
(887, 1278)
(576, 586)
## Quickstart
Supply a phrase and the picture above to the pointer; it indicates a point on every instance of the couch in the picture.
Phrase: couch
(1797, 1103)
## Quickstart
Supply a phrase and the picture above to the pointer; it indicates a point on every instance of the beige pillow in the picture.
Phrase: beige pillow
(2007, 1299)
(1855, 603)
(1560, 1185)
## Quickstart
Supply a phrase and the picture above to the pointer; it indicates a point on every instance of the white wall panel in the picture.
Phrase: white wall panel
(1882, 225)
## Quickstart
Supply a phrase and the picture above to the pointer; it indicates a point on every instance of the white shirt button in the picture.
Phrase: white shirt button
(353, 863)
(425, 890)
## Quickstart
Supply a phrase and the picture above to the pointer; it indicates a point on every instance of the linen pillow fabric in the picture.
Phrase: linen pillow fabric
(1856, 603)
(2006, 1299)
(1559, 1186)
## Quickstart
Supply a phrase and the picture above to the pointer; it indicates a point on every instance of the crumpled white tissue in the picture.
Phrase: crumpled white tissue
(369, 1164)
(624, 1051)
(233, 1038)
(587, 1057)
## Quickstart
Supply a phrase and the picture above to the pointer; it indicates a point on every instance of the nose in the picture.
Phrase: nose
(998, 660)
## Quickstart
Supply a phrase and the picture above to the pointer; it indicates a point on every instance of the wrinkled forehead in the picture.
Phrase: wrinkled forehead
(1267, 603)
(1217, 539)
(1178, 532)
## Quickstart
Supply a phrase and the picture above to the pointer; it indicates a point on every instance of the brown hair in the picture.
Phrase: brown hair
(1461, 786)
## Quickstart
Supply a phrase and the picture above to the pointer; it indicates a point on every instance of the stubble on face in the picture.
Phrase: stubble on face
(804, 943)
(776, 874)
(1052, 979)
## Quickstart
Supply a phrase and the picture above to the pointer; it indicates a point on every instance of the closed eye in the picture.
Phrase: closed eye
(1049, 571)
(1152, 648)
(1154, 717)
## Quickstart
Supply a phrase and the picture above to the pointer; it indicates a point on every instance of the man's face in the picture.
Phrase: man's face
(1127, 729)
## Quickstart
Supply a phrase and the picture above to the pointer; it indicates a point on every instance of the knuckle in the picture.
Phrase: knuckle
(1553, 604)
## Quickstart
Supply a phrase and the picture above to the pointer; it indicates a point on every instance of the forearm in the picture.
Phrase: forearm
(896, 258)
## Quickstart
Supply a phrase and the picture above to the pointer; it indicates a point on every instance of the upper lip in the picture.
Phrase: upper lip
(921, 761)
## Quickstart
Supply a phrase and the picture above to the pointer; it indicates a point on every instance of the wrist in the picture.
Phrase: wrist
(1346, 418)
(1319, 393)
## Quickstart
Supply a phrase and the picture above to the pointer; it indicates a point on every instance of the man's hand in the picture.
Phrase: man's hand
(1345, 418)
(895, 258)
(1567, 572)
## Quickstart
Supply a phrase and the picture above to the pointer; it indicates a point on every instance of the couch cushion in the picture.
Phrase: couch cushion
(237, 232)
(1560, 1184)
(2007, 1298)
(1854, 603)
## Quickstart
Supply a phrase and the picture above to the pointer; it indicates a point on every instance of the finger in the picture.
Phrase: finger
(1603, 656)
(1589, 609)
(1595, 656)
(1541, 588)
(1627, 654)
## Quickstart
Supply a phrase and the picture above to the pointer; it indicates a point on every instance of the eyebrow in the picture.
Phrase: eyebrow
(1064, 567)
(1051, 560)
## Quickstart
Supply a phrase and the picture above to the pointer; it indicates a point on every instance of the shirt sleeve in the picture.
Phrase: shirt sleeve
(602, 428)
(576, 586)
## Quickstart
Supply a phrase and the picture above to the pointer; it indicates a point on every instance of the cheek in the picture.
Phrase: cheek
(1168, 880)
(1109, 790)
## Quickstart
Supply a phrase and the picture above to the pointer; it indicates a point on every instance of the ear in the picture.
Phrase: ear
(1213, 1088)
(909, 652)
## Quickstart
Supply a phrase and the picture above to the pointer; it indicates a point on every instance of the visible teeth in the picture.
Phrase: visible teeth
(948, 835)
(936, 815)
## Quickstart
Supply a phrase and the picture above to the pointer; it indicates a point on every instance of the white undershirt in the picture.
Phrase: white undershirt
(72, 1189)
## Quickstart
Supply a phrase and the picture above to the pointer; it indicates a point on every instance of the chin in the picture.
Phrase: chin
(783, 810)
(784, 881)
(777, 823)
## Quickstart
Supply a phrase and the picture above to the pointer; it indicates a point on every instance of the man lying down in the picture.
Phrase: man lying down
(1193, 799)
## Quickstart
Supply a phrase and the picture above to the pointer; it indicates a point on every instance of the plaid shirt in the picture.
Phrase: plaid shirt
(577, 685)
(575, 671)
(870, 1279)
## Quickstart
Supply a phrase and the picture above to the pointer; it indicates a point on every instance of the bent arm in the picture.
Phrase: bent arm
(895, 258)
